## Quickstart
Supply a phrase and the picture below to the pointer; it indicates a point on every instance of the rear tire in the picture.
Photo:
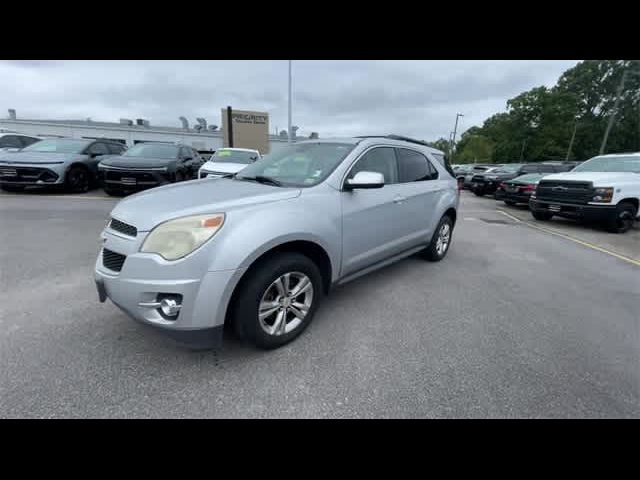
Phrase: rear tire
(259, 293)
(440, 242)
(179, 177)
(12, 188)
(542, 216)
(511, 203)
(624, 217)
(479, 192)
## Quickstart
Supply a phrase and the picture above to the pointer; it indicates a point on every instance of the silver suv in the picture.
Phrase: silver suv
(260, 250)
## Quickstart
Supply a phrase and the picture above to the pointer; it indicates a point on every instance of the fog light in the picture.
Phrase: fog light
(170, 307)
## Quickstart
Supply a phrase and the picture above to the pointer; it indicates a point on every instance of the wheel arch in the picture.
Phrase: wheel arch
(309, 248)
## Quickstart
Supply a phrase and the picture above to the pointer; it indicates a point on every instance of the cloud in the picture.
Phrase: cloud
(334, 98)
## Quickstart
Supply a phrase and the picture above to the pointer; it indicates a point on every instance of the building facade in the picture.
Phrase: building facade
(128, 133)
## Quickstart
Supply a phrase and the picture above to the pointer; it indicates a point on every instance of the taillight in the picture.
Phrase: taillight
(502, 185)
(529, 188)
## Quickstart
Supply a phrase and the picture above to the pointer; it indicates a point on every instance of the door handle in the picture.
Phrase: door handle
(399, 199)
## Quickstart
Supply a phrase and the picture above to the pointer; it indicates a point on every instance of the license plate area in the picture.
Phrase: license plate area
(128, 181)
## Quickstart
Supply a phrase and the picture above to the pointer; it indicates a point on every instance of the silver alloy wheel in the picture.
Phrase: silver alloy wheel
(444, 236)
(285, 303)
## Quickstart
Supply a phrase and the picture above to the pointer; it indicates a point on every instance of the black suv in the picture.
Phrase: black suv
(148, 165)
(488, 183)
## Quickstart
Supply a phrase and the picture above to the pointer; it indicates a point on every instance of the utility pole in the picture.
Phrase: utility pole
(573, 136)
(613, 113)
(455, 130)
(522, 151)
(289, 130)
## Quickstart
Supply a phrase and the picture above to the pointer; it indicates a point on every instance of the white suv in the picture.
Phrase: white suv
(228, 161)
(605, 188)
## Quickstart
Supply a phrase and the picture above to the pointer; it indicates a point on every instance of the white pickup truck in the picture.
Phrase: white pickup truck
(605, 189)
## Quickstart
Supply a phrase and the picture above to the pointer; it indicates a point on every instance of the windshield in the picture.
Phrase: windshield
(152, 151)
(299, 165)
(513, 168)
(58, 145)
(610, 164)
(234, 156)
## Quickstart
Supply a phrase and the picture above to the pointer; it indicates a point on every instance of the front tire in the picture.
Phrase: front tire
(479, 192)
(77, 180)
(440, 241)
(278, 300)
(542, 216)
(623, 219)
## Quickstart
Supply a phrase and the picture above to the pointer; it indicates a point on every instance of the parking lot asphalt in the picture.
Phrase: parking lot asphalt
(515, 322)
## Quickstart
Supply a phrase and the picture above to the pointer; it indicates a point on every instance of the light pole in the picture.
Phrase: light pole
(290, 132)
(455, 130)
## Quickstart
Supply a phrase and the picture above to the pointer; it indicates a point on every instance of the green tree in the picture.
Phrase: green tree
(542, 119)
(477, 149)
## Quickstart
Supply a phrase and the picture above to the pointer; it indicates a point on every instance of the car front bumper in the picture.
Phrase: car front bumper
(138, 179)
(143, 277)
(593, 213)
(516, 196)
(31, 174)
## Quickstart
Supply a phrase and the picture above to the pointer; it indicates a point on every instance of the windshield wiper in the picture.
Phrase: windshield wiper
(261, 179)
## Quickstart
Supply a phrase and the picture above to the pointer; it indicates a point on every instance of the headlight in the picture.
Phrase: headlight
(177, 238)
(603, 195)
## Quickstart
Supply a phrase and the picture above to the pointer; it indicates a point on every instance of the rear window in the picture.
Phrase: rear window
(444, 161)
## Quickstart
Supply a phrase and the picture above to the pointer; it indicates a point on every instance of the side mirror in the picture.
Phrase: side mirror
(253, 159)
(365, 180)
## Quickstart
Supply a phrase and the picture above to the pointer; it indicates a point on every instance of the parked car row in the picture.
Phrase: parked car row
(604, 189)
(76, 165)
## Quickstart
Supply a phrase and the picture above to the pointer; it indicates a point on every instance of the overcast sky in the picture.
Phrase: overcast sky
(333, 98)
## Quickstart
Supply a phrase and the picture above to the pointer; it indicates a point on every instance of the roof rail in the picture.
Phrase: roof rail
(396, 137)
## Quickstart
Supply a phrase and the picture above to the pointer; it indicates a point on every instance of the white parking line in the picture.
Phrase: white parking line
(573, 239)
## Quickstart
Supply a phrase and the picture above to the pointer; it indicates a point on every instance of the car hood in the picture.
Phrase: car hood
(147, 209)
(38, 157)
(223, 167)
(136, 162)
(595, 177)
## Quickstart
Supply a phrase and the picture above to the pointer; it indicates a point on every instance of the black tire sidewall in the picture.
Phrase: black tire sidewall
(620, 208)
(72, 188)
(252, 288)
(542, 216)
(430, 252)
